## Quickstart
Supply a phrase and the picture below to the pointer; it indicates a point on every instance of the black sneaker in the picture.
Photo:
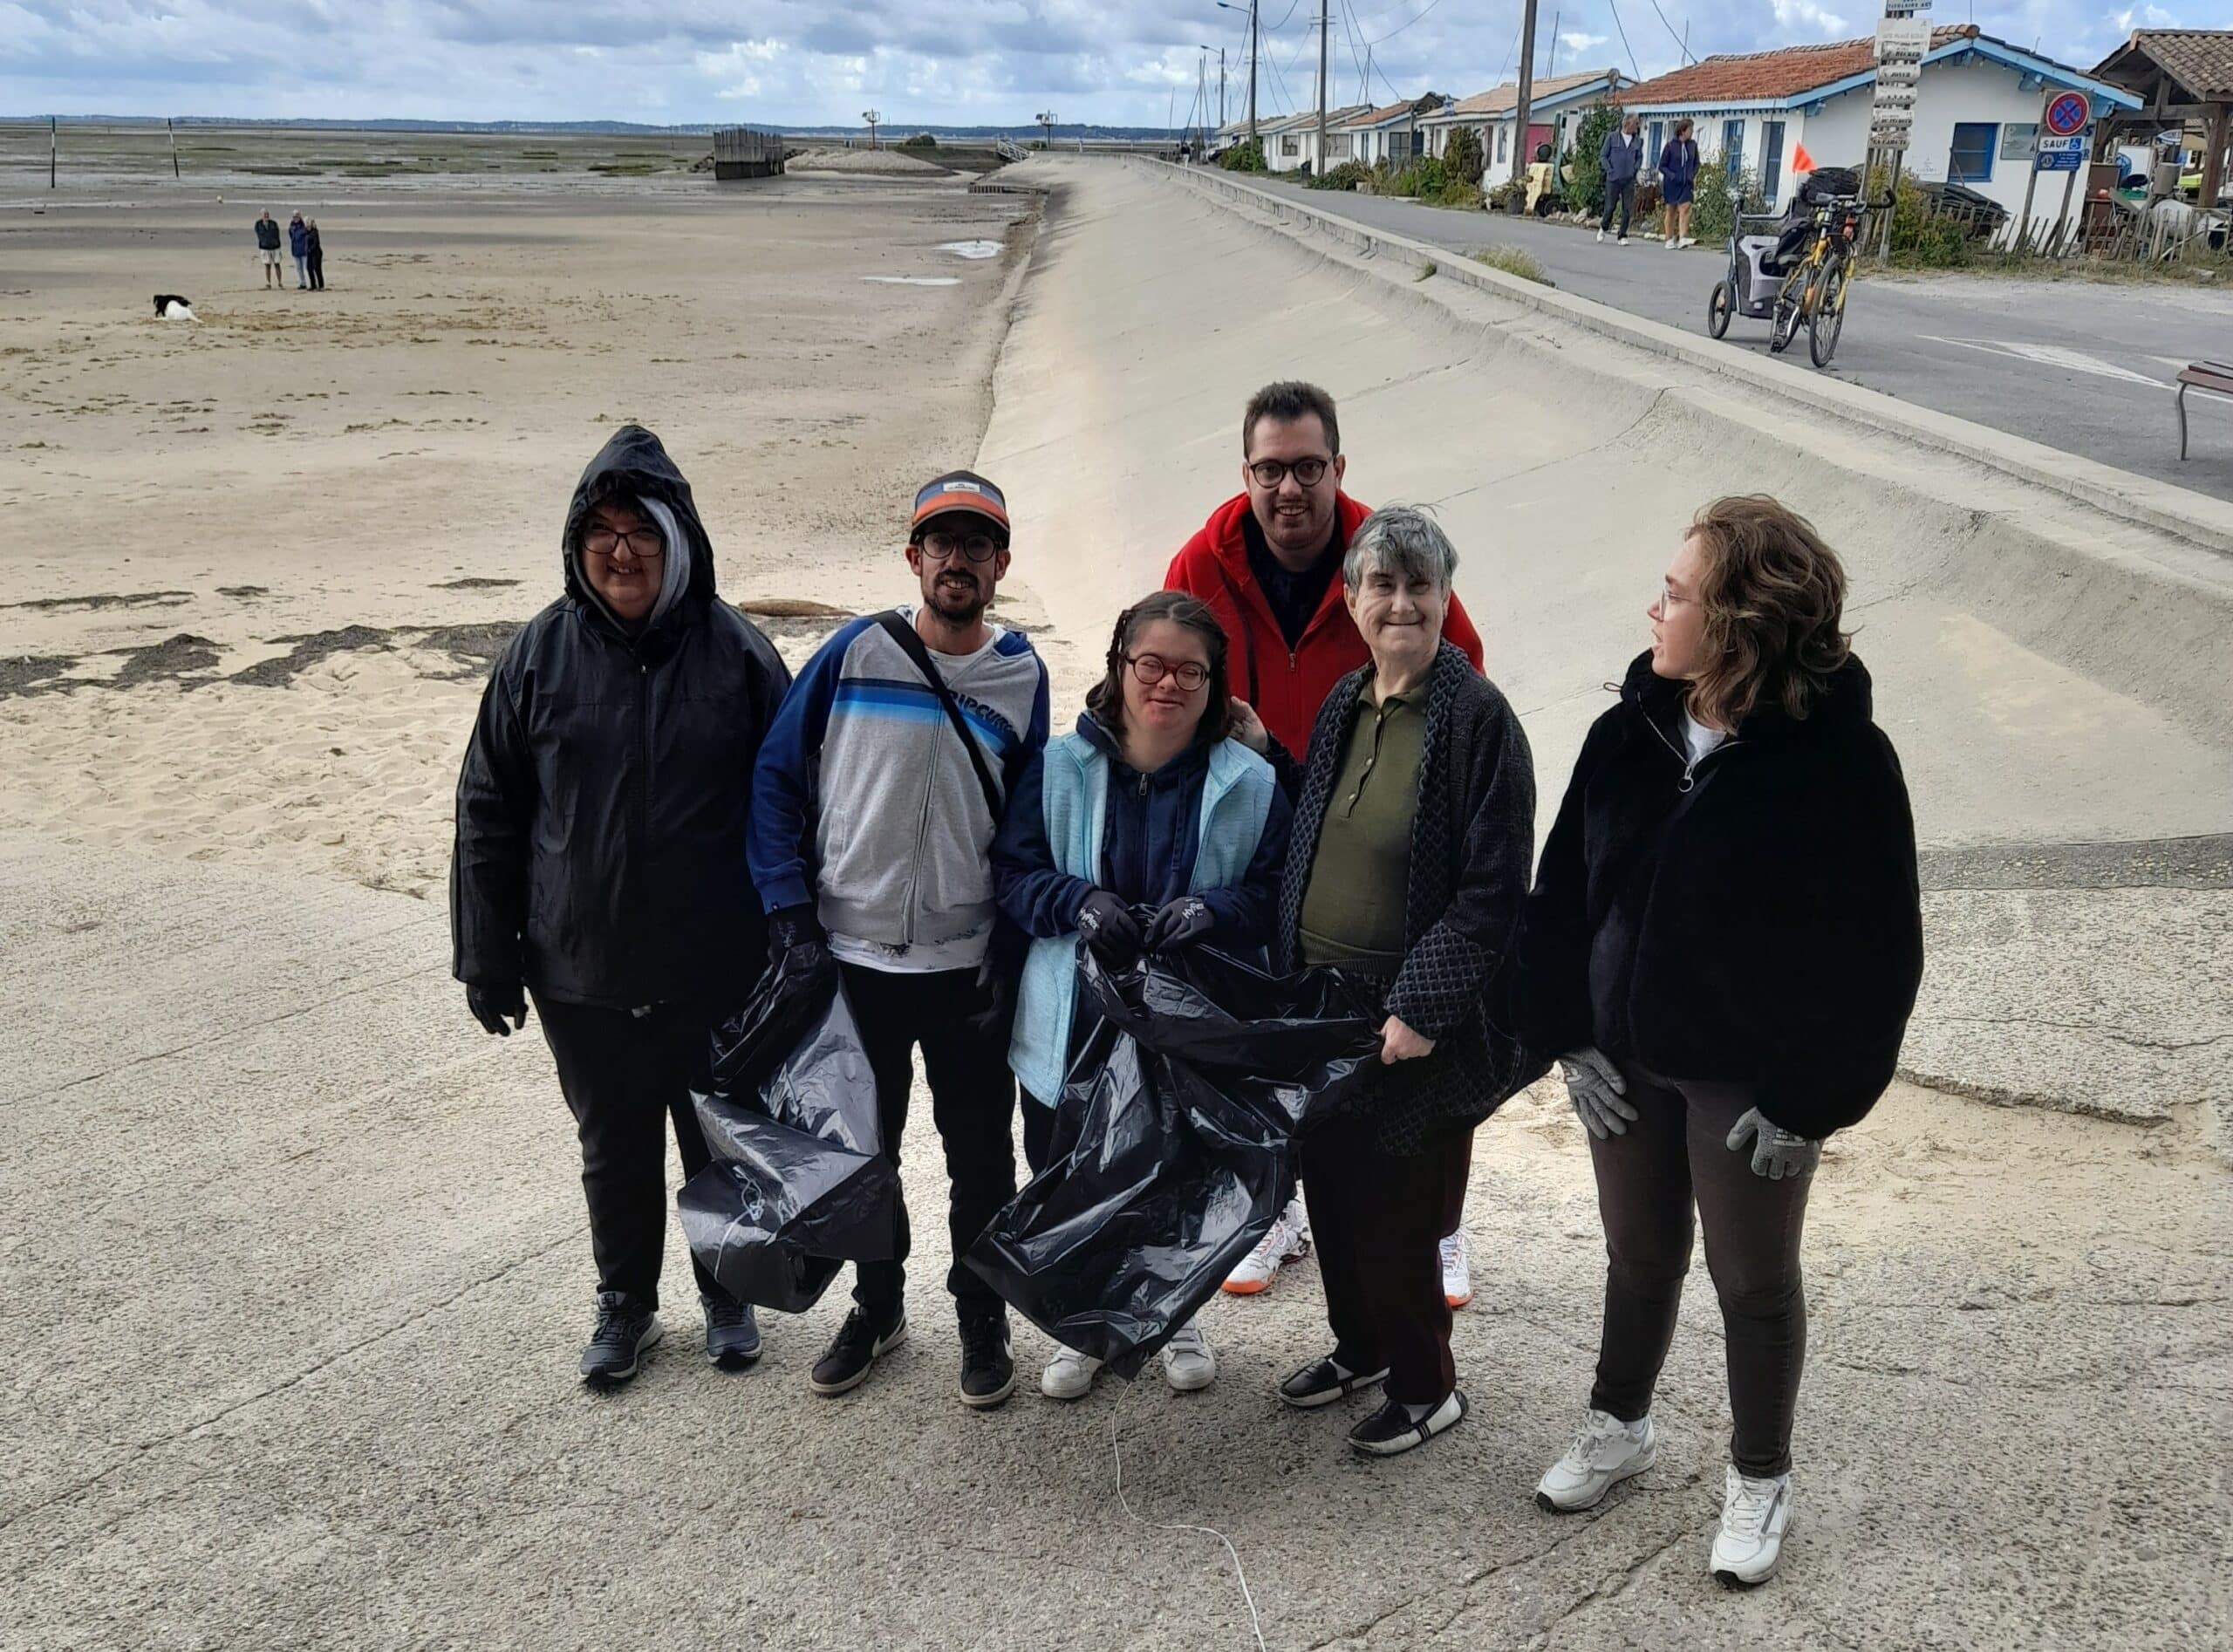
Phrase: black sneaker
(732, 1335)
(1390, 1430)
(987, 1371)
(845, 1364)
(1324, 1381)
(624, 1331)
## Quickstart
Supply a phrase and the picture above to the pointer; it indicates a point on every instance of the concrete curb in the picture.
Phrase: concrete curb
(2181, 511)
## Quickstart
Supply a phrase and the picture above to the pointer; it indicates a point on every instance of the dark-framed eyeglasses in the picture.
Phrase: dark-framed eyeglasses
(647, 545)
(1270, 473)
(1150, 669)
(945, 546)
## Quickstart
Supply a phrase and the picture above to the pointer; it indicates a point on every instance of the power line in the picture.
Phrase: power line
(1400, 27)
(1614, 6)
(1681, 44)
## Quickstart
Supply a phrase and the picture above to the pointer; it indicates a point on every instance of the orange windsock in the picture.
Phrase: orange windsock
(1801, 161)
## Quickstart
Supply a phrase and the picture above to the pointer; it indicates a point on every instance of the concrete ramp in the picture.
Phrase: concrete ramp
(2054, 677)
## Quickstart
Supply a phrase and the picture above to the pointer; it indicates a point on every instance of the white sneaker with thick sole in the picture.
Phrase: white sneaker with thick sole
(1069, 1375)
(1755, 1515)
(1601, 237)
(1188, 1364)
(1457, 1271)
(1605, 1451)
(1287, 1239)
(1688, 241)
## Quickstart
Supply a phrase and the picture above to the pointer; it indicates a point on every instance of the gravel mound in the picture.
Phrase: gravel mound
(876, 163)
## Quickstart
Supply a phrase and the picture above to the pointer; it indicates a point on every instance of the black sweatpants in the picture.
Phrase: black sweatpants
(973, 1103)
(1674, 1154)
(626, 1077)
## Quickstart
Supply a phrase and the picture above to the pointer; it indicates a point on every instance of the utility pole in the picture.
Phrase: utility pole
(1220, 89)
(871, 116)
(172, 127)
(1201, 97)
(1325, 19)
(1046, 120)
(1519, 103)
(1551, 58)
(1252, 71)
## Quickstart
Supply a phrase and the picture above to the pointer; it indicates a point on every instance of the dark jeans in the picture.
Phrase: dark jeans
(973, 1103)
(625, 1076)
(1376, 1219)
(318, 271)
(1623, 194)
(1675, 1152)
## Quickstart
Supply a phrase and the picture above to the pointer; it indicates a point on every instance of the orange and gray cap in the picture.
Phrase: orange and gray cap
(960, 493)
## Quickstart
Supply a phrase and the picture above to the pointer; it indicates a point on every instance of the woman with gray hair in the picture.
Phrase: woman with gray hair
(1408, 864)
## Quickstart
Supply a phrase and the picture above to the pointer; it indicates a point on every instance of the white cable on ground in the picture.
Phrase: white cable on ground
(1255, 1623)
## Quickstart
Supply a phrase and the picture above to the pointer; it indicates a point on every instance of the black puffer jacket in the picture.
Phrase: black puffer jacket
(1471, 833)
(600, 811)
(1753, 920)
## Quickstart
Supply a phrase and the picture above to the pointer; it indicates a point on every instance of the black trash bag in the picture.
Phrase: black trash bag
(799, 1182)
(792, 995)
(1184, 1099)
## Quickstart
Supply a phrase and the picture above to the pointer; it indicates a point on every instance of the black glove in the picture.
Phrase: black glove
(791, 927)
(999, 1013)
(1109, 928)
(490, 1004)
(1180, 924)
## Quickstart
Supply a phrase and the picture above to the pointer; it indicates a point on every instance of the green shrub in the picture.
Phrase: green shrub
(1348, 175)
(1514, 261)
(1511, 196)
(920, 140)
(1462, 154)
(1457, 193)
(1718, 199)
(1919, 237)
(1244, 157)
(1586, 192)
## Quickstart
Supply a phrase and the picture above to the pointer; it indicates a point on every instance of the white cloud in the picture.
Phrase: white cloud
(1804, 17)
(1575, 42)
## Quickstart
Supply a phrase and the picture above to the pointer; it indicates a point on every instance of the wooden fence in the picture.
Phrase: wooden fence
(739, 151)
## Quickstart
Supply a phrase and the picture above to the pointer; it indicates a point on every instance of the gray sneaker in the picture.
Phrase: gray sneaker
(624, 1331)
(732, 1334)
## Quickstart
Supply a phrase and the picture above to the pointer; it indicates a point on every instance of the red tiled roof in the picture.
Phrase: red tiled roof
(1500, 100)
(2199, 59)
(1740, 77)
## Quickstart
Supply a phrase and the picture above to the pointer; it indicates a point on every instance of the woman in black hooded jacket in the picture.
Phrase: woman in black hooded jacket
(1724, 939)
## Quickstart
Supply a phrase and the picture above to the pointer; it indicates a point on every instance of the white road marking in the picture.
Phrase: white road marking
(2053, 356)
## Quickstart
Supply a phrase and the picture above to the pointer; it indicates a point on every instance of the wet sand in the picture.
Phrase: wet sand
(260, 562)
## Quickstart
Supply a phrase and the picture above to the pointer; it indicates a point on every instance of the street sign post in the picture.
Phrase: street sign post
(1902, 39)
(2059, 154)
(2068, 115)
(2060, 147)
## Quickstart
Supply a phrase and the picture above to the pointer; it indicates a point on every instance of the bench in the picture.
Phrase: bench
(2212, 379)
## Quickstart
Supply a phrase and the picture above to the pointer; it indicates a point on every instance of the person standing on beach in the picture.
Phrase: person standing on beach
(1620, 156)
(298, 242)
(876, 798)
(1678, 178)
(267, 248)
(315, 249)
(600, 861)
(1269, 564)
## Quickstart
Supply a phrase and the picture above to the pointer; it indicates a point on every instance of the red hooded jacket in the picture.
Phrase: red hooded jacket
(1285, 688)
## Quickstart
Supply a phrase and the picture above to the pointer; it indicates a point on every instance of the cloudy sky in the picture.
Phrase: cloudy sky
(940, 62)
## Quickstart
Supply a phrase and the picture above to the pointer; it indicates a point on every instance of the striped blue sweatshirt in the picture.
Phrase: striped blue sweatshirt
(865, 802)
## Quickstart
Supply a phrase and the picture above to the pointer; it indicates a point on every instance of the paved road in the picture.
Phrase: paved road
(2083, 366)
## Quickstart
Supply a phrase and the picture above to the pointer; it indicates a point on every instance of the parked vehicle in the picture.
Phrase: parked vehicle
(1794, 269)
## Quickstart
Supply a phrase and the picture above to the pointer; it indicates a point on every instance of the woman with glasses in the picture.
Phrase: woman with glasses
(1149, 829)
(1724, 940)
(1412, 837)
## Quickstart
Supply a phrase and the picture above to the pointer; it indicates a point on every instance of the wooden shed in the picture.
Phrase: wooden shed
(2179, 75)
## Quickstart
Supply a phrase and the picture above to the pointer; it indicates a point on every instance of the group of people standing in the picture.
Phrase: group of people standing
(1292, 753)
(302, 242)
(1620, 160)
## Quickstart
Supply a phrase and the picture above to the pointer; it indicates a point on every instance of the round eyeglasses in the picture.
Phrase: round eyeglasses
(1270, 473)
(1151, 669)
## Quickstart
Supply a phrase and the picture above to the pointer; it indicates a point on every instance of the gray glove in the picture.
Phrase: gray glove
(1595, 1087)
(1776, 1154)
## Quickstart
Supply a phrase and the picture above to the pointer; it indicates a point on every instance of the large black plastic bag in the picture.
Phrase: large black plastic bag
(1185, 1099)
(799, 1183)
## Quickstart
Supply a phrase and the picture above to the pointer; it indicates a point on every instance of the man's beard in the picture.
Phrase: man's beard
(952, 605)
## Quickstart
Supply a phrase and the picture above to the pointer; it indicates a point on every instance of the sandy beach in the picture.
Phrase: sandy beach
(262, 561)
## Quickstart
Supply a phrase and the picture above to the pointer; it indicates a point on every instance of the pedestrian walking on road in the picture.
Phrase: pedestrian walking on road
(1409, 868)
(267, 248)
(298, 242)
(878, 795)
(1156, 803)
(1621, 157)
(1678, 178)
(1268, 562)
(599, 866)
(1725, 941)
(314, 248)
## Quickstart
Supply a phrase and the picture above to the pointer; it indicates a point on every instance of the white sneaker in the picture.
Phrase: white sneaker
(1069, 1375)
(1187, 1362)
(1288, 1238)
(1621, 241)
(1605, 1451)
(1672, 244)
(1755, 1514)
(1688, 241)
(1457, 1271)
(1601, 237)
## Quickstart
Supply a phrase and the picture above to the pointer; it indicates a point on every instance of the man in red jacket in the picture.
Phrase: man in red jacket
(1269, 563)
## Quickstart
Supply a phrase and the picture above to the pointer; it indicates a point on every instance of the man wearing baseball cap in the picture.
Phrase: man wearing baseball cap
(876, 796)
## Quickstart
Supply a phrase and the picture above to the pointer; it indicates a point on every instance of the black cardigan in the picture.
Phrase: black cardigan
(1471, 834)
(1752, 920)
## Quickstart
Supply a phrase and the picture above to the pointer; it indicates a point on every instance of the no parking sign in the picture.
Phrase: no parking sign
(2067, 114)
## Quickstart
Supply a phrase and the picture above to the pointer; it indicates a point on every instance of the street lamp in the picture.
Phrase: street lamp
(1231, 5)
(871, 116)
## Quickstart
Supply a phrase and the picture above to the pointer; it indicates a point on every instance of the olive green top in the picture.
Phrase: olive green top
(1353, 905)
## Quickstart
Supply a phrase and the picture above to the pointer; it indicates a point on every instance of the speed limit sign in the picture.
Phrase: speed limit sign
(2068, 114)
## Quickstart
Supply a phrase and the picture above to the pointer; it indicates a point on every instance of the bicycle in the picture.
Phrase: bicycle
(1814, 286)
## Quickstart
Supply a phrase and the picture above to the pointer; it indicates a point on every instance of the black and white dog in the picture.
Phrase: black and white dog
(171, 306)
